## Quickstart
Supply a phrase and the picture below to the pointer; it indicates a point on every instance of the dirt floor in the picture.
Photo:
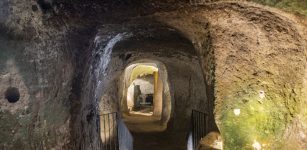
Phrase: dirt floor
(157, 141)
(142, 124)
(149, 134)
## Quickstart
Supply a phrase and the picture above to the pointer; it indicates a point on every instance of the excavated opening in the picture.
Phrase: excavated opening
(12, 94)
(139, 115)
(141, 89)
(45, 5)
(184, 87)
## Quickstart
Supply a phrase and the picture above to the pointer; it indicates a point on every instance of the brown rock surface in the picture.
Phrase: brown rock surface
(51, 57)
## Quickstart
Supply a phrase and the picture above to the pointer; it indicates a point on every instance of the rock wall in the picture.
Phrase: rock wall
(42, 70)
(60, 66)
(251, 52)
(183, 71)
(257, 52)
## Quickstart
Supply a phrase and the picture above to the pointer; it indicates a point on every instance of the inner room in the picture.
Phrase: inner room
(145, 89)
(142, 92)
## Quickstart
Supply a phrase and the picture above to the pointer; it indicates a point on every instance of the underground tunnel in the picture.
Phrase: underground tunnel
(153, 75)
(168, 62)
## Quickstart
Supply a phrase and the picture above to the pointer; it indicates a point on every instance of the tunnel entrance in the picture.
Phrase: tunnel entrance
(140, 93)
(153, 80)
(146, 91)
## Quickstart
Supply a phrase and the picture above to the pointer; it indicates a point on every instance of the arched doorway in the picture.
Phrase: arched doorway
(146, 100)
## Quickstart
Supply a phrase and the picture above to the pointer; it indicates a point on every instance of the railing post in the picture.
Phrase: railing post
(109, 136)
(116, 135)
(199, 125)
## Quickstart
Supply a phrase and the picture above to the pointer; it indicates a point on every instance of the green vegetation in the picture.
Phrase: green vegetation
(261, 120)
(294, 6)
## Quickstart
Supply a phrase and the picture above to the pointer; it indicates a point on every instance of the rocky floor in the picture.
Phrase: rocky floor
(149, 134)
(143, 124)
(157, 141)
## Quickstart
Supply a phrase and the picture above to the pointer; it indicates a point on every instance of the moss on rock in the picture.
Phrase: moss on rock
(296, 6)
(260, 119)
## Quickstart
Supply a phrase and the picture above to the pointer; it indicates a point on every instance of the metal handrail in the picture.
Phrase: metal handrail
(109, 136)
(199, 123)
(115, 135)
